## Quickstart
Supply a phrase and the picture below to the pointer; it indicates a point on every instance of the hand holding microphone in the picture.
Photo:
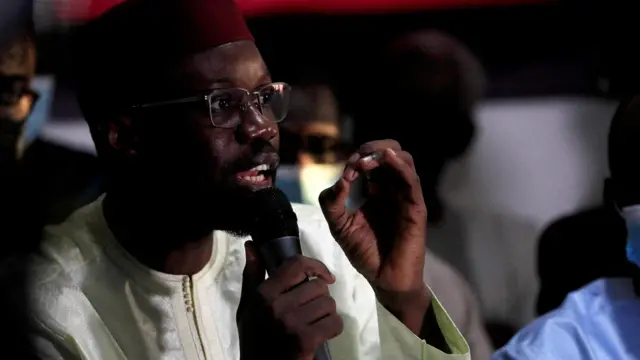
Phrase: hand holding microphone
(291, 315)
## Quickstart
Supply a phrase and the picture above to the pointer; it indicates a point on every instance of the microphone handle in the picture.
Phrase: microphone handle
(274, 253)
(323, 352)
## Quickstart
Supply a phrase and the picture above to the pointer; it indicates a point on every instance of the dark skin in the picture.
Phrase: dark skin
(206, 147)
(303, 317)
(388, 251)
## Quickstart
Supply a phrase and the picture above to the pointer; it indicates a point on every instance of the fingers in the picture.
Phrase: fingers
(368, 157)
(292, 273)
(365, 164)
(322, 330)
(252, 276)
(392, 156)
(254, 272)
(310, 336)
(310, 312)
(330, 326)
(407, 173)
(303, 312)
(333, 200)
(303, 294)
(371, 155)
(378, 145)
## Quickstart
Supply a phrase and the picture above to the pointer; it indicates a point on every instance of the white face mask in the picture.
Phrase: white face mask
(316, 177)
(631, 215)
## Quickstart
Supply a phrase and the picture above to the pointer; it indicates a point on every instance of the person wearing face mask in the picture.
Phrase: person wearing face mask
(599, 321)
(314, 142)
(17, 68)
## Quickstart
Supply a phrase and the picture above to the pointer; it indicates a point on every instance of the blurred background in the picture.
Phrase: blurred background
(539, 80)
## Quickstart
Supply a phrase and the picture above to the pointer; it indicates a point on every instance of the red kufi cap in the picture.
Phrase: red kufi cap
(134, 40)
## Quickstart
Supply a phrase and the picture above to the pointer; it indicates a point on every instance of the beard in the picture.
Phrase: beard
(187, 203)
(228, 210)
(189, 198)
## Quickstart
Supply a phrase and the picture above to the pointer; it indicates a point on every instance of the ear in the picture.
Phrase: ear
(123, 136)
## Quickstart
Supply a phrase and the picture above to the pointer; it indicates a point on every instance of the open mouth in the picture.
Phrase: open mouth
(259, 175)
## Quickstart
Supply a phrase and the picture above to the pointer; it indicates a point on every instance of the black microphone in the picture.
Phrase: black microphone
(276, 235)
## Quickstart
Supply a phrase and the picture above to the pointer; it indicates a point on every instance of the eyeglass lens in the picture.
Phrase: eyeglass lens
(227, 105)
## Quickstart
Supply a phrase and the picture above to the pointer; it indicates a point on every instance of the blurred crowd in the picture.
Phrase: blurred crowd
(493, 273)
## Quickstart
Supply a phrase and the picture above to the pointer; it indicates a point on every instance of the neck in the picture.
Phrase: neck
(152, 236)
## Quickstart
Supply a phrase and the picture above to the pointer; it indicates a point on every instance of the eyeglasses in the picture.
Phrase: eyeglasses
(226, 106)
(13, 88)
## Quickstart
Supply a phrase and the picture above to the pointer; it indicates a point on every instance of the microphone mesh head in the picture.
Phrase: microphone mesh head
(273, 216)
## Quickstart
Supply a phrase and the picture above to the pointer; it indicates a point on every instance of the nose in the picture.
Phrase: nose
(256, 126)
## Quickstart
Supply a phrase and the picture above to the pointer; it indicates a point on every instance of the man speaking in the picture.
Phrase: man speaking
(184, 116)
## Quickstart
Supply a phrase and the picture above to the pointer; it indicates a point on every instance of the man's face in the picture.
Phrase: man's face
(320, 142)
(203, 172)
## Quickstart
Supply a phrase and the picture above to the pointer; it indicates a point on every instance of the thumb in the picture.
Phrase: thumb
(254, 270)
(252, 276)
(333, 202)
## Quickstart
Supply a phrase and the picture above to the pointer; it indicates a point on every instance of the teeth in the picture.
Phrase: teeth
(262, 167)
(259, 178)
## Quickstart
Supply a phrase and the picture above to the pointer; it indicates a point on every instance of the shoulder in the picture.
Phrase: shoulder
(553, 336)
(60, 313)
(69, 249)
(567, 332)
(58, 272)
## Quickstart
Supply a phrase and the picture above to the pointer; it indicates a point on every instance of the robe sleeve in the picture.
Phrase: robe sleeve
(48, 349)
(398, 342)
(65, 325)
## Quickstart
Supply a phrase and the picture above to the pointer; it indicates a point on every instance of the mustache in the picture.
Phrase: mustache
(265, 153)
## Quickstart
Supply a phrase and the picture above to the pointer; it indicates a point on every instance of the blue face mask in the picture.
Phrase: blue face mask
(631, 215)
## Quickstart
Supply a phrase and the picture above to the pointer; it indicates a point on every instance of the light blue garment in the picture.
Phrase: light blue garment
(598, 322)
(631, 215)
(45, 86)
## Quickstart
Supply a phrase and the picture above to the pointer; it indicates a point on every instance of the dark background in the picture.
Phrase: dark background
(560, 48)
